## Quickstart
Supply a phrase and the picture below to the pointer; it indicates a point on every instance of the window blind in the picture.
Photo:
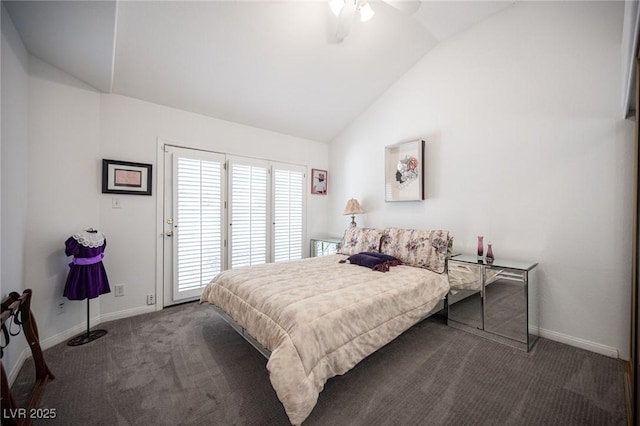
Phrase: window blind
(198, 236)
(288, 199)
(248, 213)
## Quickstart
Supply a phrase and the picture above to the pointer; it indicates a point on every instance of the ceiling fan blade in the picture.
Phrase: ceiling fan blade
(345, 19)
(407, 6)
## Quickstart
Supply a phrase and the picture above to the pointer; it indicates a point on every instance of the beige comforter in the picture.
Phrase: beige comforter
(319, 318)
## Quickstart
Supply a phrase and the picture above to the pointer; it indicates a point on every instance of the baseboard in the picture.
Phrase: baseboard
(126, 313)
(67, 334)
(580, 343)
(74, 331)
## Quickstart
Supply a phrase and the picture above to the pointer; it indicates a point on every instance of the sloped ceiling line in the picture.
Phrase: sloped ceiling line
(113, 45)
(264, 64)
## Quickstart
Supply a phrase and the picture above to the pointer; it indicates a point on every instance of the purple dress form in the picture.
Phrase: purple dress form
(87, 277)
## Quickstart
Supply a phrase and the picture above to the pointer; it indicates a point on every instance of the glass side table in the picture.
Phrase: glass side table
(496, 300)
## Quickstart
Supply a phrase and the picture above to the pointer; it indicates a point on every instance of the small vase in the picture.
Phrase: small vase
(480, 246)
(489, 252)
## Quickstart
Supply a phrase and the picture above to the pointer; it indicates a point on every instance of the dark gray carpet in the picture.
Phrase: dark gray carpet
(186, 366)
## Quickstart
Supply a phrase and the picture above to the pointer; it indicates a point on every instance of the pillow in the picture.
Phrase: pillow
(413, 247)
(450, 246)
(357, 240)
(384, 257)
(365, 259)
(376, 261)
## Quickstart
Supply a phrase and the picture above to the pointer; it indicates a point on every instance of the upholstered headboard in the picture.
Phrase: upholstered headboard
(413, 247)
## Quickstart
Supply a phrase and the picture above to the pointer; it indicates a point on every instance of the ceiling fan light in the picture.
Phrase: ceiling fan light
(366, 12)
(336, 6)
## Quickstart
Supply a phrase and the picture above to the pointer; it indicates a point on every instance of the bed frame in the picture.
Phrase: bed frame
(243, 332)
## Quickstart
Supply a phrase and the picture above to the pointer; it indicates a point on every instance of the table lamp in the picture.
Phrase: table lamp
(353, 208)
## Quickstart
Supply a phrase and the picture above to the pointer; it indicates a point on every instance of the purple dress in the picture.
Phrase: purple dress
(87, 277)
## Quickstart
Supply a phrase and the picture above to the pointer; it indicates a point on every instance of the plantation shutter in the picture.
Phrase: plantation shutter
(288, 212)
(248, 212)
(198, 221)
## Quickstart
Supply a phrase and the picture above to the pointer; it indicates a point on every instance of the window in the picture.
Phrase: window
(248, 226)
(198, 218)
(288, 208)
(266, 211)
(224, 212)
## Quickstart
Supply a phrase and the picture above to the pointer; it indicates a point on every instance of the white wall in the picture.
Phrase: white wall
(14, 180)
(526, 146)
(129, 131)
(63, 169)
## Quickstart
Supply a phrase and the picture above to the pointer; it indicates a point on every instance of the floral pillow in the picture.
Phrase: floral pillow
(357, 240)
(426, 249)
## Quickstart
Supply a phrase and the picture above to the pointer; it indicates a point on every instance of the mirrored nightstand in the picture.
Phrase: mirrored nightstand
(495, 300)
(324, 246)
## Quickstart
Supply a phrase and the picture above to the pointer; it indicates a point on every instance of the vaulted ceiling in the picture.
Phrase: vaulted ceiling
(272, 65)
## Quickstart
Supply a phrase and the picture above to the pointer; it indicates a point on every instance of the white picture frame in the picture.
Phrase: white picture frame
(404, 171)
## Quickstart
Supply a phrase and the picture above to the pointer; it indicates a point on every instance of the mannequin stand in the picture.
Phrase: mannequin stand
(89, 336)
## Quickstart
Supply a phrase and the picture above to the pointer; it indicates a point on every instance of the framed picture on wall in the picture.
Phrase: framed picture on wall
(124, 177)
(319, 181)
(404, 171)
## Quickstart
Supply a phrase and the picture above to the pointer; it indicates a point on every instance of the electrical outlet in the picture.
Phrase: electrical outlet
(119, 290)
(151, 299)
(60, 307)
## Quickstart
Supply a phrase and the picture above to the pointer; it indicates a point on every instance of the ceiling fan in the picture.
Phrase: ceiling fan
(346, 11)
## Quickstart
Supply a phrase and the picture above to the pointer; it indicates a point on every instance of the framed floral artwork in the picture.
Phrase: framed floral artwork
(404, 171)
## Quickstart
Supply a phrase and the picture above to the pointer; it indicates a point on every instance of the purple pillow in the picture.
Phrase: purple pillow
(369, 259)
(364, 259)
(384, 257)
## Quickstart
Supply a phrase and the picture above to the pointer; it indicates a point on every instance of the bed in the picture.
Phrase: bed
(317, 318)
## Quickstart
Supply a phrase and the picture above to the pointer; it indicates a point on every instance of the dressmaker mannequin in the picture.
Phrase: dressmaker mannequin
(87, 277)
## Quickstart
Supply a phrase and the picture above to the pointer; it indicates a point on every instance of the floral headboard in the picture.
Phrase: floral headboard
(357, 240)
(413, 247)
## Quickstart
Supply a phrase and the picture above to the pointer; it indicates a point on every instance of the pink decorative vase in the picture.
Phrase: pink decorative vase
(489, 252)
(480, 246)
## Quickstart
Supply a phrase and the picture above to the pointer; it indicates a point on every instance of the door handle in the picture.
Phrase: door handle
(168, 234)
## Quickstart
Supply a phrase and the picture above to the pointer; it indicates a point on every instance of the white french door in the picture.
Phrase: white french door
(289, 186)
(249, 194)
(266, 211)
(194, 222)
(225, 212)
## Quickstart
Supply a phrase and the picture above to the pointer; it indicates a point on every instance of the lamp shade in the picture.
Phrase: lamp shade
(353, 207)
